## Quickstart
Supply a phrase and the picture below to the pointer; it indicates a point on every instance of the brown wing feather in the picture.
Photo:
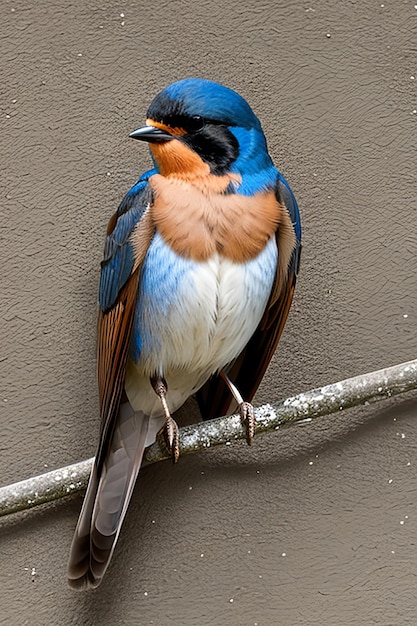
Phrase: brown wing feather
(113, 337)
(114, 329)
(249, 368)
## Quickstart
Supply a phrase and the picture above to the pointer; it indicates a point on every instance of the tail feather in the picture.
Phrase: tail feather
(106, 500)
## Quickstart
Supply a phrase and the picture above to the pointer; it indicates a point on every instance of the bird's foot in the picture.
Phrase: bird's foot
(169, 438)
(247, 416)
(169, 435)
(172, 439)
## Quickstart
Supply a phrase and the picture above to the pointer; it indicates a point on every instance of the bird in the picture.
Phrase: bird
(197, 278)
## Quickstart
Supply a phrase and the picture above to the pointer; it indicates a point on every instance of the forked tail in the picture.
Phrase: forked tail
(106, 500)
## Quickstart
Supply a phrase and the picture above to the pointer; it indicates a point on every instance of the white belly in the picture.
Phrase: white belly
(194, 319)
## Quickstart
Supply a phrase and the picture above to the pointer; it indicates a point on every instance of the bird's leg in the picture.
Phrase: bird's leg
(246, 411)
(170, 430)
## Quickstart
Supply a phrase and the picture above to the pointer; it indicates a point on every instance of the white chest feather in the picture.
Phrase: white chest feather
(195, 317)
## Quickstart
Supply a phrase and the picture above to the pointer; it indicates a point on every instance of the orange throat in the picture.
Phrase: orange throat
(174, 158)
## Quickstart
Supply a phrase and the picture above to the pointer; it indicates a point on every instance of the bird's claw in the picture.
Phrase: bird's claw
(169, 437)
(247, 416)
(173, 439)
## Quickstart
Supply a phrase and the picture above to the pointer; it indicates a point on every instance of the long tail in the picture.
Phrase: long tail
(106, 500)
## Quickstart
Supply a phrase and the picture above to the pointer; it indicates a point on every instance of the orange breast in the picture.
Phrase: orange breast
(197, 220)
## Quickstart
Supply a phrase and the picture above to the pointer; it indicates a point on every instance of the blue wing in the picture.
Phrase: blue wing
(119, 259)
(121, 267)
(120, 271)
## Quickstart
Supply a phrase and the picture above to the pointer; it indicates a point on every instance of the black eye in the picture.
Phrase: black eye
(195, 123)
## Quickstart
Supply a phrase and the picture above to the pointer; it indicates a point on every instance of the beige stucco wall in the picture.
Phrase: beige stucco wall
(332, 83)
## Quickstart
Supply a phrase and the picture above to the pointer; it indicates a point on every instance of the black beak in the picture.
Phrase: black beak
(151, 134)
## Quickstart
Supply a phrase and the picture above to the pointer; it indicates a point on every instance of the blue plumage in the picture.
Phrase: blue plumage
(162, 273)
(211, 100)
(119, 259)
(253, 163)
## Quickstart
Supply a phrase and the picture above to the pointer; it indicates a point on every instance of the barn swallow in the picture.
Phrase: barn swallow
(199, 269)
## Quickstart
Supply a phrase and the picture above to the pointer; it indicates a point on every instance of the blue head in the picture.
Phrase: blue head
(216, 123)
(197, 97)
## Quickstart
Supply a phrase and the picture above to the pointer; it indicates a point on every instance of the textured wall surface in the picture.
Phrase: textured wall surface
(314, 525)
